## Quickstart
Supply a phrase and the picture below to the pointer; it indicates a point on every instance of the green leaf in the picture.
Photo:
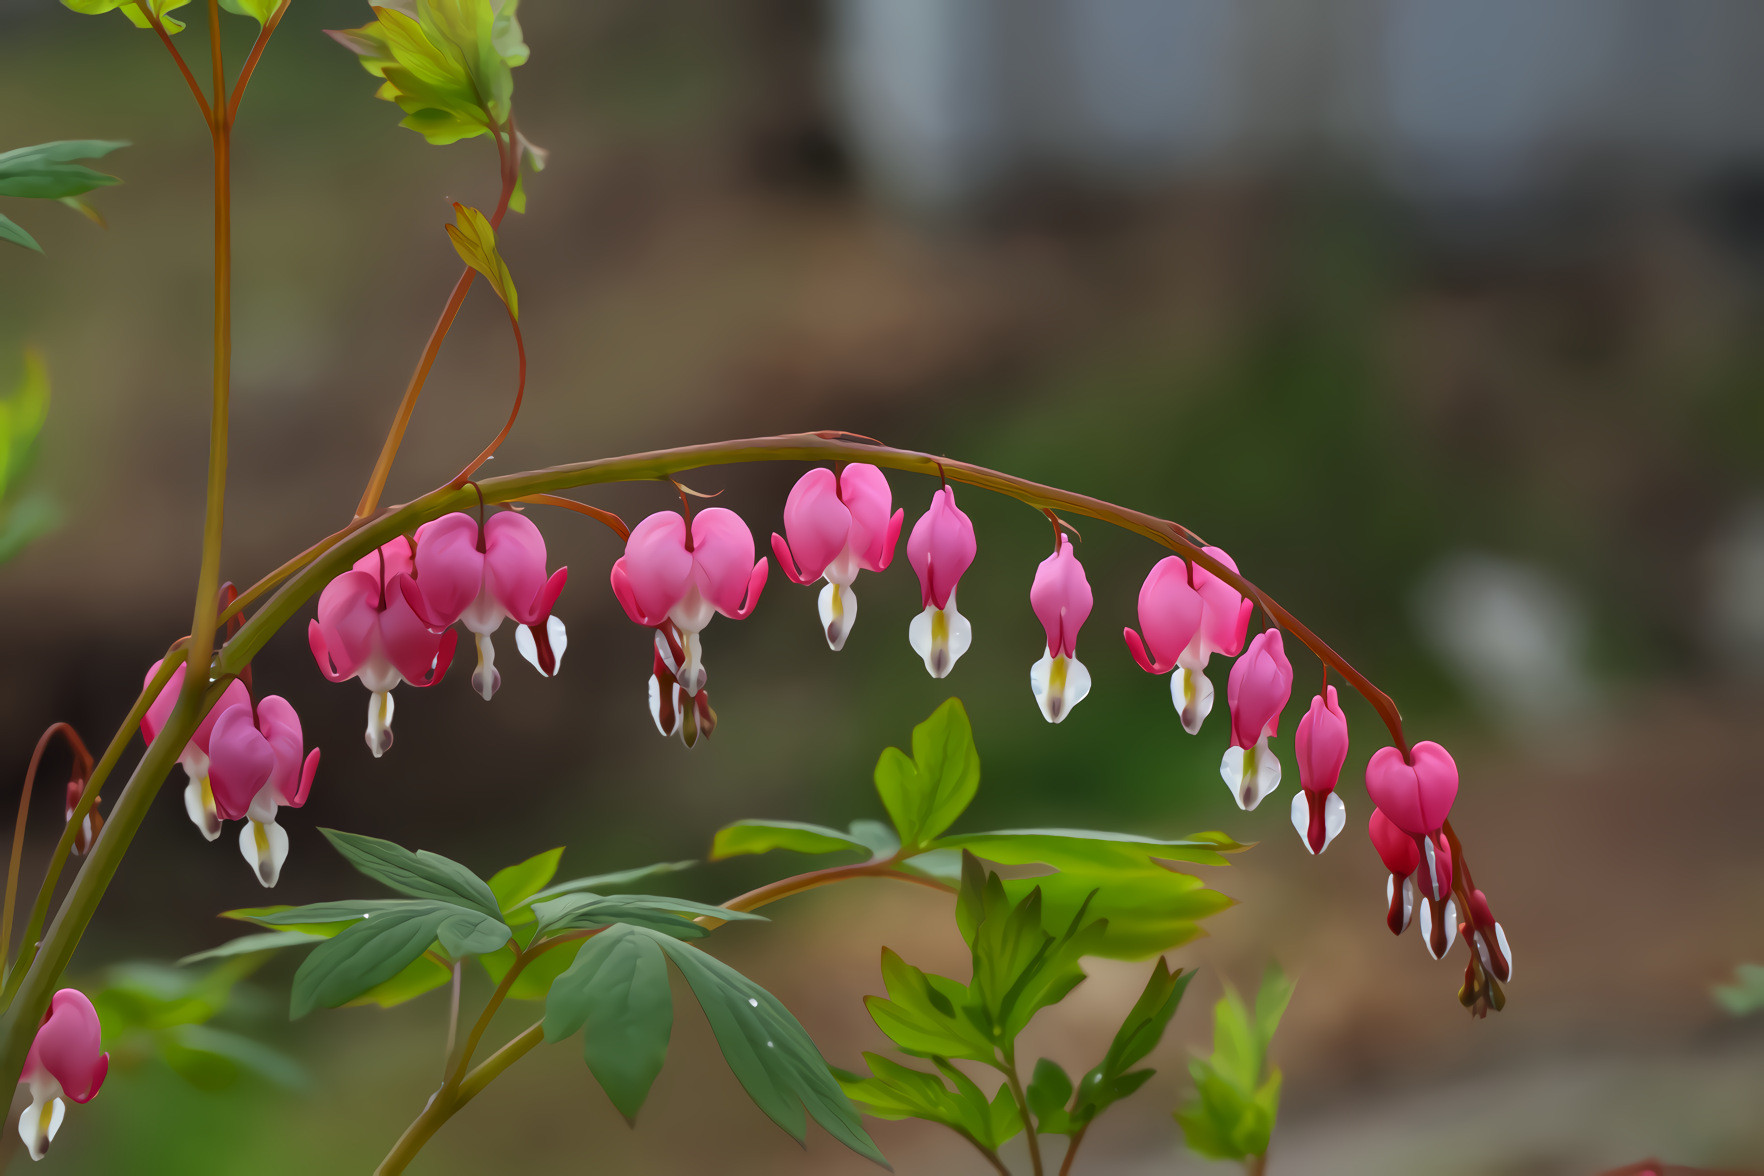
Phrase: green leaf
(1019, 966)
(474, 239)
(1049, 1089)
(767, 1049)
(612, 883)
(929, 1015)
(319, 918)
(377, 948)
(11, 231)
(1237, 1095)
(1746, 994)
(212, 1059)
(258, 10)
(672, 916)
(1150, 909)
(1085, 849)
(263, 941)
(1114, 1079)
(421, 874)
(745, 837)
(536, 978)
(514, 885)
(618, 990)
(1271, 1002)
(22, 414)
(161, 9)
(925, 794)
(422, 975)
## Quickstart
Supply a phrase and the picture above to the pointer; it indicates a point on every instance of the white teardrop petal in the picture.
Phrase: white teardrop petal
(940, 637)
(1192, 694)
(1301, 821)
(838, 607)
(379, 728)
(1334, 819)
(560, 641)
(1501, 939)
(486, 680)
(199, 803)
(265, 847)
(39, 1123)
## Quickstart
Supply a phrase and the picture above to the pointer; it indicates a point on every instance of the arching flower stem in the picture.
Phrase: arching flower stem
(612, 521)
(489, 450)
(82, 769)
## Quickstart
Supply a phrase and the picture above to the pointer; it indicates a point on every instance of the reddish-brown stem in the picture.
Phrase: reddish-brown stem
(489, 451)
(82, 769)
(612, 521)
(183, 66)
(250, 65)
(370, 497)
(1072, 1150)
(785, 887)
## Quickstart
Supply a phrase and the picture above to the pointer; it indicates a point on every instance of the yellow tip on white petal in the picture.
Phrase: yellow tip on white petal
(486, 679)
(264, 845)
(838, 606)
(940, 636)
(199, 803)
(1192, 694)
(39, 1123)
(1059, 683)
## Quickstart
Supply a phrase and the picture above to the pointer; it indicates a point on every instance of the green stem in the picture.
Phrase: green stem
(998, 1165)
(1072, 1150)
(82, 767)
(1022, 1101)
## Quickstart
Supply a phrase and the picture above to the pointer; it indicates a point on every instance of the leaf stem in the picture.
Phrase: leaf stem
(612, 521)
(1072, 1150)
(183, 66)
(250, 66)
(489, 450)
(82, 768)
(991, 1155)
(1022, 1101)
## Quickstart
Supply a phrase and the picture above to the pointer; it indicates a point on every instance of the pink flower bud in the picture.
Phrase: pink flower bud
(1321, 745)
(1258, 690)
(1489, 938)
(1061, 598)
(941, 548)
(1416, 794)
(1170, 612)
(66, 1060)
(837, 526)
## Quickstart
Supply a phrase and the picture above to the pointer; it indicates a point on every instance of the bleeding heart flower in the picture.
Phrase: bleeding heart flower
(1062, 599)
(675, 712)
(88, 830)
(1417, 793)
(941, 548)
(1321, 747)
(481, 578)
(1170, 612)
(367, 629)
(1225, 618)
(1489, 939)
(674, 581)
(1257, 691)
(1401, 856)
(259, 764)
(837, 526)
(67, 1060)
(198, 794)
(1417, 863)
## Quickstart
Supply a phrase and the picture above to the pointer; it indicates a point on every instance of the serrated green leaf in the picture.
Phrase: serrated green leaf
(744, 837)
(11, 231)
(1237, 1094)
(767, 1049)
(251, 944)
(474, 239)
(421, 874)
(617, 990)
(514, 885)
(375, 949)
(613, 883)
(927, 1015)
(258, 10)
(926, 793)
(160, 8)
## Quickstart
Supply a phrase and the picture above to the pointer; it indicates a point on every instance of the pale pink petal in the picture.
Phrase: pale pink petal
(515, 556)
(69, 1046)
(343, 636)
(449, 568)
(722, 558)
(1061, 598)
(1170, 612)
(817, 525)
(1225, 623)
(393, 558)
(1258, 689)
(864, 490)
(413, 648)
(240, 762)
(656, 569)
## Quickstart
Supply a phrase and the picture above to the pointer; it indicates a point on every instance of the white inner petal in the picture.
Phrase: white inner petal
(379, 727)
(1192, 693)
(264, 845)
(199, 803)
(838, 608)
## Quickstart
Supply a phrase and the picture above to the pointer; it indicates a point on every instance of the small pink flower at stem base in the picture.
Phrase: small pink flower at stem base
(1062, 601)
(367, 629)
(1225, 618)
(675, 581)
(1401, 857)
(1258, 690)
(259, 765)
(941, 548)
(482, 578)
(1320, 746)
(66, 1061)
(88, 830)
(834, 527)
(198, 795)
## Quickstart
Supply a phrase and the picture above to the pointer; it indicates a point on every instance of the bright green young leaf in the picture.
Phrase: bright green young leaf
(1019, 967)
(422, 975)
(213, 1059)
(377, 948)
(536, 978)
(251, 944)
(514, 885)
(420, 874)
(1049, 1090)
(475, 240)
(745, 837)
(613, 883)
(672, 916)
(161, 8)
(1746, 994)
(1237, 1094)
(11, 231)
(1114, 1078)
(21, 419)
(617, 990)
(1087, 850)
(1149, 910)
(929, 1015)
(258, 10)
(925, 794)
(767, 1049)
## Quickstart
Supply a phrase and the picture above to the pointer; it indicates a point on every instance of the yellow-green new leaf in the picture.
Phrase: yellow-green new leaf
(476, 242)
(258, 10)
(134, 11)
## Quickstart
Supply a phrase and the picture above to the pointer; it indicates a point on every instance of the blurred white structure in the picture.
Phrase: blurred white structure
(947, 100)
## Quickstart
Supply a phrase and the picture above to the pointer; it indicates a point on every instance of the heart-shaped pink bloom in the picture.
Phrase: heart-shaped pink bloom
(1061, 598)
(258, 765)
(1226, 617)
(660, 579)
(240, 763)
(941, 548)
(68, 1048)
(154, 720)
(1321, 743)
(1258, 689)
(1170, 612)
(366, 627)
(838, 526)
(1416, 795)
(459, 580)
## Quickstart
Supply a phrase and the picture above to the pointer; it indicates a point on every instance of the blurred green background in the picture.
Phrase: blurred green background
(1445, 325)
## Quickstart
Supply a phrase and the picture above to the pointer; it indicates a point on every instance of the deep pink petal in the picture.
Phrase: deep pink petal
(304, 786)
(1395, 848)
(240, 762)
(627, 597)
(787, 561)
(722, 558)
(1225, 623)
(281, 726)
(540, 608)
(154, 720)
(1061, 598)
(1417, 795)
(234, 695)
(1137, 648)
(349, 616)
(449, 568)
(817, 524)
(941, 548)
(1258, 689)
(69, 1046)
(864, 490)
(889, 539)
(409, 643)
(656, 568)
(1321, 744)
(1170, 612)
(515, 557)
(398, 561)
